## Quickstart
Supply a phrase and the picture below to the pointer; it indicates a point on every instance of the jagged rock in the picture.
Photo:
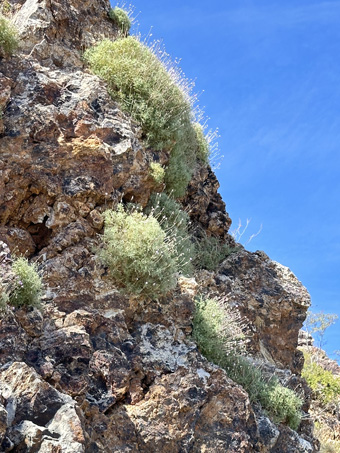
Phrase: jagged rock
(39, 416)
(205, 204)
(305, 339)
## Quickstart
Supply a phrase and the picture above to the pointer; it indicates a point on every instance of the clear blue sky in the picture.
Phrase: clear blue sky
(270, 71)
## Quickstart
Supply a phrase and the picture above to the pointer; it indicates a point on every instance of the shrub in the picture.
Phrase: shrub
(325, 385)
(157, 172)
(8, 37)
(158, 97)
(175, 222)
(182, 161)
(219, 334)
(218, 331)
(26, 287)
(121, 20)
(203, 150)
(137, 78)
(210, 252)
(139, 254)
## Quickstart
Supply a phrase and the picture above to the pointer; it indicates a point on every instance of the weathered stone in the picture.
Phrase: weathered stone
(19, 241)
(38, 414)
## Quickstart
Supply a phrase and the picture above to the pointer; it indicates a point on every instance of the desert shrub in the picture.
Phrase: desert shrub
(139, 254)
(121, 19)
(8, 37)
(203, 150)
(325, 385)
(219, 333)
(182, 161)
(26, 286)
(157, 172)
(139, 80)
(210, 252)
(158, 97)
(175, 222)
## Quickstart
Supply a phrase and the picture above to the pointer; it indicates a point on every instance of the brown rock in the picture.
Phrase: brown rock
(19, 241)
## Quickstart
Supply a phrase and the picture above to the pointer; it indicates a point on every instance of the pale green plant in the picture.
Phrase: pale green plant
(220, 334)
(139, 254)
(157, 172)
(8, 37)
(25, 288)
(175, 222)
(203, 148)
(325, 386)
(121, 19)
(210, 252)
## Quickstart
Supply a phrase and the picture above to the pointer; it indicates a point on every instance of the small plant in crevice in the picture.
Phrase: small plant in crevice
(121, 19)
(210, 252)
(139, 254)
(25, 288)
(8, 37)
(5, 8)
(157, 172)
(220, 336)
(175, 222)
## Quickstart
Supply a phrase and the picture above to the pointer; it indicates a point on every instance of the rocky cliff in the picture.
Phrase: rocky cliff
(95, 370)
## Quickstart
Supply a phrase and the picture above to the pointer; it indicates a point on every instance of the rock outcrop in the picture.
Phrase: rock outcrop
(95, 370)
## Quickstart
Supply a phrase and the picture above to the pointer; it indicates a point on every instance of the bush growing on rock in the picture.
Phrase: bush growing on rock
(210, 252)
(175, 222)
(157, 172)
(8, 37)
(219, 333)
(325, 385)
(122, 20)
(26, 286)
(140, 255)
(159, 98)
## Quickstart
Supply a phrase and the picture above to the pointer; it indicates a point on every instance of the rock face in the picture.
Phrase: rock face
(94, 370)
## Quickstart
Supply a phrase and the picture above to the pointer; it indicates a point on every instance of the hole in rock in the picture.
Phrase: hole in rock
(40, 234)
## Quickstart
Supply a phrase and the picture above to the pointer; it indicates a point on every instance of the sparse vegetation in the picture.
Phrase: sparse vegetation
(219, 334)
(325, 385)
(203, 149)
(26, 287)
(210, 252)
(121, 19)
(5, 7)
(316, 325)
(8, 38)
(175, 222)
(140, 255)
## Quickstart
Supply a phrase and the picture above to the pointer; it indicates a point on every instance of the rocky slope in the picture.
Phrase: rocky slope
(94, 370)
